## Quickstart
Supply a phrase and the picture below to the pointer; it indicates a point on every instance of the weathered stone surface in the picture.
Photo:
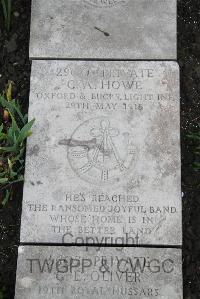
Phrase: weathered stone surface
(112, 29)
(103, 163)
(77, 272)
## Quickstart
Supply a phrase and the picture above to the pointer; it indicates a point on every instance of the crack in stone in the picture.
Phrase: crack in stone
(104, 32)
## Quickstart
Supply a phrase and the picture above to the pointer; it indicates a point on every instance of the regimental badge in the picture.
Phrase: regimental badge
(99, 152)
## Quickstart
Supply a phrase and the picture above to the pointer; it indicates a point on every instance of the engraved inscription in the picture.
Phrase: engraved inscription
(103, 155)
(114, 273)
(105, 3)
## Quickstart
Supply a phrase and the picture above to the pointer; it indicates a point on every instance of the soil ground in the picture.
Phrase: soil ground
(15, 66)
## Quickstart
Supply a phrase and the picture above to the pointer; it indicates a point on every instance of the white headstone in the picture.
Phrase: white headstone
(86, 273)
(105, 29)
(103, 162)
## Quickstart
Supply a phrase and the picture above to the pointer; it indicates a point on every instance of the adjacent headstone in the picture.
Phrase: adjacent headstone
(85, 273)
(103, 29)
(103, 162)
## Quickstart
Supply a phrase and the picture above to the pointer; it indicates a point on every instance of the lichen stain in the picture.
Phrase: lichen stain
(87, 144)
(33, 151)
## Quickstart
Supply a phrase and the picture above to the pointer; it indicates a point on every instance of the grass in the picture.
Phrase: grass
(6, 7)
(14, 130)
(195, 137)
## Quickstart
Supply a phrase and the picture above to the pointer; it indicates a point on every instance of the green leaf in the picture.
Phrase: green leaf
(12, 107)
(3, 180)
(9, 15)
(3, 136)
(20, 179)
(19, 157)
(21, 168)
(14, 123)
(8, 91)
(6, 198)
(9, 149)
(10, 164)
(4, 9)
(15, 138)
(6, 5)
(26, 118)
(25, 131)
(13, 174)
(12, 147)
(17, 109)
(1, 128)
(10, 136)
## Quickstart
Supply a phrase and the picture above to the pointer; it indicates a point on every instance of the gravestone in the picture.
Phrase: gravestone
(103, 29)
(103, 163)
(114, 273)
